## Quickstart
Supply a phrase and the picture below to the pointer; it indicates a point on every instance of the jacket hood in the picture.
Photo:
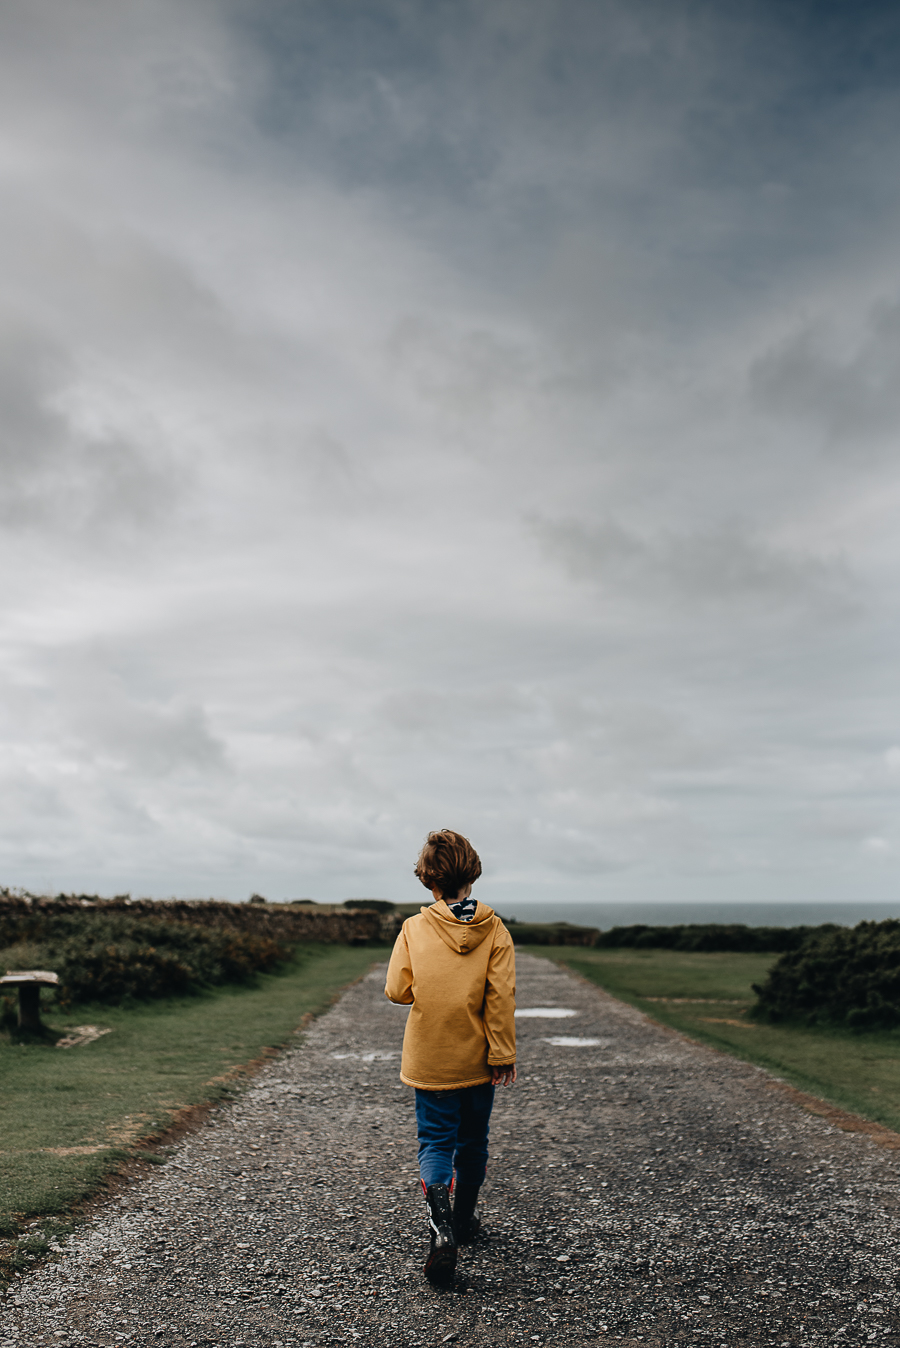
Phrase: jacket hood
(460, 936)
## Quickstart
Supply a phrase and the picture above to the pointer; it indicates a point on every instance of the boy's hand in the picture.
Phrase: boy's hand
(503, 1076)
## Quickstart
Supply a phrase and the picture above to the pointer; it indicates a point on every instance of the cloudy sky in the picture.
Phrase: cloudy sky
(429, 413)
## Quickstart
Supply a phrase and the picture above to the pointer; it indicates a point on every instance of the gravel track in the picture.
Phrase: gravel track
(642, 1190)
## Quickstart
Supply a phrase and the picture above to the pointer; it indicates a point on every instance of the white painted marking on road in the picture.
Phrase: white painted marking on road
(370, 1055)
(573, 1041)
(544, 1012)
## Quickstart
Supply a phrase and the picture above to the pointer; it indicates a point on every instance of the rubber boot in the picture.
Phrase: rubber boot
(441, 1262)
(466, 1223)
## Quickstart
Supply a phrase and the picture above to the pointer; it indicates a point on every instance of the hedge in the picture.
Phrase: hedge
(112, 958)
(711, 936)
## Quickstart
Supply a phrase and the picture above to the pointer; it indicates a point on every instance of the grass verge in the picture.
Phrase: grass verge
(70, 1117)
(708, 996)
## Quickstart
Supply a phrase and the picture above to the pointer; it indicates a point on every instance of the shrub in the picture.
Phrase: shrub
(370, 905)
(116, 973)
(843, 976)
(111, 958)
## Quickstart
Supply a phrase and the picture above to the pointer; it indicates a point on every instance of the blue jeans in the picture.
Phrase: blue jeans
(453, 1130)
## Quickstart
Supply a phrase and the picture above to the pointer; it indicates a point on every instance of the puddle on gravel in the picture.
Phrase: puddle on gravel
(544, 1013)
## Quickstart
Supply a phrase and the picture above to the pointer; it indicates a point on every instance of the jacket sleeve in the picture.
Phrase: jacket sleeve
(500, 1002)
(398, 987)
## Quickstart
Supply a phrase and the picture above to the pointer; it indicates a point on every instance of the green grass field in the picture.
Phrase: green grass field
(67, 1116)
(708, 996)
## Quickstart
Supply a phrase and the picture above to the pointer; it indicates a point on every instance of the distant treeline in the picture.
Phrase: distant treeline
(713, 936)
(706, 936)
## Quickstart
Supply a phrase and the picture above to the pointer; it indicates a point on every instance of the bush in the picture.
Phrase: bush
(9, 1013)
(711, 936)
(552, 933)
(116, 957)
(370, 905)
(843, 976)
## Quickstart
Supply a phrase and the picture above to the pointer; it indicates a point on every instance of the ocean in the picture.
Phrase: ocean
(605, 915)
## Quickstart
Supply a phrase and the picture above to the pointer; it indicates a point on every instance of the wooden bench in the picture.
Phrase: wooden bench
(29, 982)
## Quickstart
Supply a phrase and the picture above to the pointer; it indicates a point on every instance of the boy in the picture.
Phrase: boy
(454, 962)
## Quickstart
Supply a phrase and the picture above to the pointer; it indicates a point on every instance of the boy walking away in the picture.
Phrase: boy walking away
(454, 963)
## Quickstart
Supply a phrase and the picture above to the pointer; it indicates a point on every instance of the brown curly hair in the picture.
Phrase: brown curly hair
(448, 862)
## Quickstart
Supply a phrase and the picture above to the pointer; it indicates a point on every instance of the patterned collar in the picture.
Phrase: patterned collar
(464, 909)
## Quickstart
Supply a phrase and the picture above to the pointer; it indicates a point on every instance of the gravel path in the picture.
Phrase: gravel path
(642, 1189)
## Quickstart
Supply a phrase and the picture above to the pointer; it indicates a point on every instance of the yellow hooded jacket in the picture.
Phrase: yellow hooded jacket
(460, 978)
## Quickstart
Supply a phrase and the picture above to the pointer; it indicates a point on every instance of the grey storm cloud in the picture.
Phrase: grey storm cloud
(850, 391)
(724, 566)
(449, 415)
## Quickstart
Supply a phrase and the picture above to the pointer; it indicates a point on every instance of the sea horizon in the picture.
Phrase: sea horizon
(606, 915)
